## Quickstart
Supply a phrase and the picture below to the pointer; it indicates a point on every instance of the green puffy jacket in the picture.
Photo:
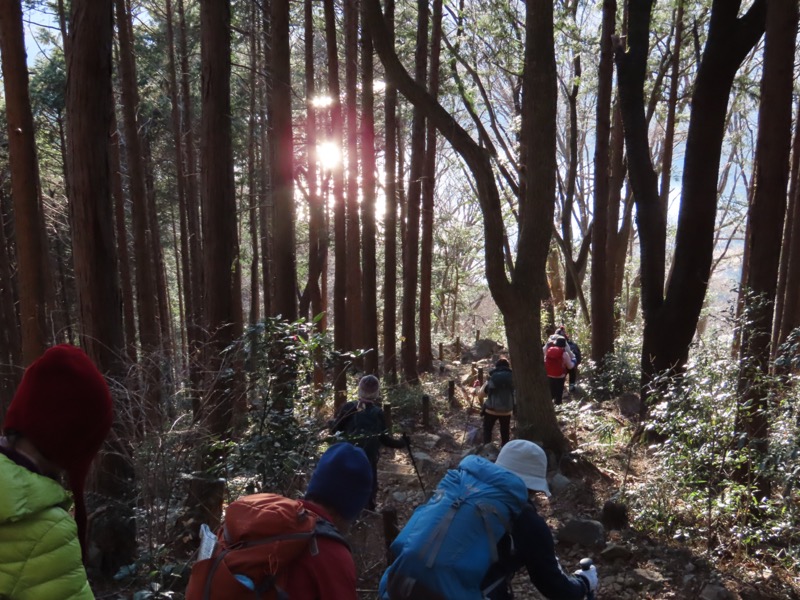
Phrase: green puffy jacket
(40, 556)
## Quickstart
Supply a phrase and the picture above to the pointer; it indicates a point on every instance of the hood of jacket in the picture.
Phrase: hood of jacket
(26, 493)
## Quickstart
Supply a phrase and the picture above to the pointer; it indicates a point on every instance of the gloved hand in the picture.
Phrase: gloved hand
(590, 576)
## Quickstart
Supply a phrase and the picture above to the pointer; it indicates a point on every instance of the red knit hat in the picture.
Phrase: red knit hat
(64, 408)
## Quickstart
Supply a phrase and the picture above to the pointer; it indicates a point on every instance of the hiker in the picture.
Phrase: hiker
(59, 417)
(558, 360)
(576, 353)
(364, 425)
(530, 543)
(499, 405)
(273, 546)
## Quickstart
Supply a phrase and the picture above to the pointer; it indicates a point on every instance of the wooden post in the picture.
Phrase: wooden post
(480, 375)
(390, 530)
(426, 411)
(387, 416)
(451, 392)
(477, 334)
(458, 347)
(441, 351)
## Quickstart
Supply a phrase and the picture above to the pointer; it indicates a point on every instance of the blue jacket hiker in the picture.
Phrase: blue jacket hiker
(364, 425)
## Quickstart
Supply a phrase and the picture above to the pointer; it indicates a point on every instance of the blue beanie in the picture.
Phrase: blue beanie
(342, 480)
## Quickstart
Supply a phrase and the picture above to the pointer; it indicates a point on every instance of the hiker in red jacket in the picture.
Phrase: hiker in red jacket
(339, 489)
(558, 360)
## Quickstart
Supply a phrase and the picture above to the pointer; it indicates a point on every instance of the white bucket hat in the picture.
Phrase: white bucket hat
(528, 462)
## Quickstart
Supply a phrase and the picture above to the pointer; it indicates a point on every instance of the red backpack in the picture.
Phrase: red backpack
(554, 362)
(261, 536)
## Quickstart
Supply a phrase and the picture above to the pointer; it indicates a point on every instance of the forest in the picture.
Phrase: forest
(237, 208)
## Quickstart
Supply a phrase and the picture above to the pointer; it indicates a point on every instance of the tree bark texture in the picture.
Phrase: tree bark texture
(284, 259)
(28, 215)
(602, 283)
(219, 209)
(340, 323)
(408, 345)
(671, 319)
(390, 216)
(369, 271)
(427, 214)
(767, 214)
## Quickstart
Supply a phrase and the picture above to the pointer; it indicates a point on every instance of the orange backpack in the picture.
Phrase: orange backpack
(261, 536)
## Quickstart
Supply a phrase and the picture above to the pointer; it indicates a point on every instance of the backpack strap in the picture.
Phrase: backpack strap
(326, 529)
(440, 533)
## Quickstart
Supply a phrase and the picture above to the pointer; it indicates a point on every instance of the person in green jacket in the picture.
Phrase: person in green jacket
(60, 415)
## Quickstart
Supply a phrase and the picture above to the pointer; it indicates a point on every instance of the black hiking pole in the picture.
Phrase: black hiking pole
(414, 463)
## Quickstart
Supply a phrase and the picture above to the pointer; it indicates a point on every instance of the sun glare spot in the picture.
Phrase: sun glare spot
(329, 155)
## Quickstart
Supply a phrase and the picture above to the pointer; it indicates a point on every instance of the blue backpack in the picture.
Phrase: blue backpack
(448, 544)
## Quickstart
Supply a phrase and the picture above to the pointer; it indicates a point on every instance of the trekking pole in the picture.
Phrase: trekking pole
(586, 565)
(414, 463)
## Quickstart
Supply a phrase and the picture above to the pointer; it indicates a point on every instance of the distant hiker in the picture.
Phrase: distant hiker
(499, 405)
(275, 547)
(530, 543)
(364, 425)
(558, 360)
(576, 353)
(60, 415)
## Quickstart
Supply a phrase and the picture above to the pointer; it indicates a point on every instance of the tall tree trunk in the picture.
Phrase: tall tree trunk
(669, 128)
(602, 283)
(219, 210)
(181, 177)
(767, 215)
(369, 265)
(189, 175)
(428, 188)
(9, 332)
(527, 286)
(128, 308)
(340, 322)
(265, 217)
(252, 188)
(787, 307)
(284, 258)
(354, 299)
(671, 319)
(90, 106)
(146, 291)
(408, 344)
(390, 218)
(28, 215)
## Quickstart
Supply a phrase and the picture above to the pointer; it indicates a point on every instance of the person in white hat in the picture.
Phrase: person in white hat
(530, 537)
